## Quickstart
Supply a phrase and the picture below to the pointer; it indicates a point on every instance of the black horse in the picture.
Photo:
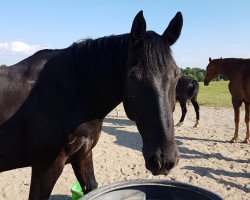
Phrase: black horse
(187, 89)
(61, 120)
(16, 81)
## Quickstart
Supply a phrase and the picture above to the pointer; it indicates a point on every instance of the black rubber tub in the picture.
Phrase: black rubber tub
(151, 190)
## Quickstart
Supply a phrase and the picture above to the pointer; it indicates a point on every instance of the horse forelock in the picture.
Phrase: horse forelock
(155, 54)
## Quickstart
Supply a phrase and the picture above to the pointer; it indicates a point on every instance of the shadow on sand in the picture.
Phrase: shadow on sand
(123, 137)
(209, 172)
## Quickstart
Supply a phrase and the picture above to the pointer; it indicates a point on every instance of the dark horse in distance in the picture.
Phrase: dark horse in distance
(17, 81)
(61, 119)
(187, 89)
(238, 72)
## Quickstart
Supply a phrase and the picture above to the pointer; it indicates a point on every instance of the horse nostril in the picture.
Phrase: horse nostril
(171, 162)
(169, 165)
(153, 163)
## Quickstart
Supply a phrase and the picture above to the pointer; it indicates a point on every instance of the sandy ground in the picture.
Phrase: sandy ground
(207, 158)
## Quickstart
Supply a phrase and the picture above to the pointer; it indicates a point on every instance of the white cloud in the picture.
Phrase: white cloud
(20, 47)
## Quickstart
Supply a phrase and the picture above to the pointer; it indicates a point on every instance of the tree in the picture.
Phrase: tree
(199, 74)
(195, 73)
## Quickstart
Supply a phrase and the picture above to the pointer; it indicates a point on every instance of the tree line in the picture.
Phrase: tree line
(198, 74)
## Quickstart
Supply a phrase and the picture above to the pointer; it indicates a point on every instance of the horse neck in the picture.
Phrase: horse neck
(228, 67)
(102, 64)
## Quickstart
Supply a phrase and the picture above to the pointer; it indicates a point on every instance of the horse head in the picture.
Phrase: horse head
(149, 95)
(212, 71)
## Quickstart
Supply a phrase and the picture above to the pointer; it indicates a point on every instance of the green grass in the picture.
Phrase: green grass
(215, 94)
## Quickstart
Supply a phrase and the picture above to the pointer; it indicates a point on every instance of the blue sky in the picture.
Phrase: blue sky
(212, 28)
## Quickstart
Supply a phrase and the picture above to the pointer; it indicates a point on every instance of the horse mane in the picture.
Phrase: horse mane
(100, 64)
(102, 54)
(113, 51)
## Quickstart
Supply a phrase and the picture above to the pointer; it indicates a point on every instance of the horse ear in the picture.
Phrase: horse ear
(173, 31)
(210, 59)
(138, 27)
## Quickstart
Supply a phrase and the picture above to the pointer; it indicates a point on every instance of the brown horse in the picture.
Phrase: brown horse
(61, 119)
(238, 73)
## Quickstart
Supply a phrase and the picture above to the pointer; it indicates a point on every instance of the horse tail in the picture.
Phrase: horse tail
(194, 89)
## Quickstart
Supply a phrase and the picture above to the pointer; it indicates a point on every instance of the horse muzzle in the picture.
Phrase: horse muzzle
(160, 166)
(206, 83)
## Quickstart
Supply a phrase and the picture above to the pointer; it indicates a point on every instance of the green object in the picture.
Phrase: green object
(76, 191)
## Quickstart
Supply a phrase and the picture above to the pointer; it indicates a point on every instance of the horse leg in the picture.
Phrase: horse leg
(197, 110)
(236, 105)
(84, 170)
(81, 160)
(247, 120)
(183, 112)
(44, 178)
